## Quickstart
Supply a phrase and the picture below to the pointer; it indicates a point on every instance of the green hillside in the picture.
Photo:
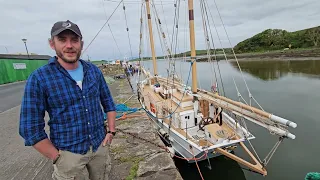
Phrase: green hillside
(278, 39)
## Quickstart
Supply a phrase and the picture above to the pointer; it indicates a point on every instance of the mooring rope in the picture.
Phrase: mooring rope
(196, 163)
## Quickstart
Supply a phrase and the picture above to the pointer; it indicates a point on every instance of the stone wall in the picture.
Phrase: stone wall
(133, 158)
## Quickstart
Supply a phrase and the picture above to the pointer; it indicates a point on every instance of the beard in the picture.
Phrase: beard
(67, 59)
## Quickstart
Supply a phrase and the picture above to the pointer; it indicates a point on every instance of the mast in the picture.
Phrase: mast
(192, 46)
(151, 40)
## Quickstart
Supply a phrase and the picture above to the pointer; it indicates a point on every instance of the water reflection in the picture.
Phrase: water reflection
(222, 168)
(275, 69)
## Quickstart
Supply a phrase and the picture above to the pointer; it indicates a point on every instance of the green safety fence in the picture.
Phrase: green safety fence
(13, 70)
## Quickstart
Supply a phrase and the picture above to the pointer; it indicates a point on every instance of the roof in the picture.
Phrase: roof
(25, 57)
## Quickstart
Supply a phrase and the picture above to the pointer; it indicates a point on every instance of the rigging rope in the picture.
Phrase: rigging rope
(207, 41)
(101, 28)
(140, 45)
(224, 53)
(223, 50)
(250, 95)
(138, 2)
(163, 35)
(177, 26)
(115, 41)
(164, 17)
(104, 9)
(127, 28)
(160, 32)
(174, 26)
(160, 39)
(185, 39)
(140, 37)
(272, 151)
(215, 56)
(238, 93)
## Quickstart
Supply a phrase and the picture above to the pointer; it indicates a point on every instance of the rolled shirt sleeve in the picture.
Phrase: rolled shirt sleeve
(32, 113)
(105, 95)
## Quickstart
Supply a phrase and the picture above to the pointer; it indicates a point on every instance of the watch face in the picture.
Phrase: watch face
(113, 133)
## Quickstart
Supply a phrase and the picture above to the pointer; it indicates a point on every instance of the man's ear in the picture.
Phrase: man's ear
(82, 43)
(51, 43)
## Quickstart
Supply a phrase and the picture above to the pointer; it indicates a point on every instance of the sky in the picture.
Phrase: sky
(241, 19)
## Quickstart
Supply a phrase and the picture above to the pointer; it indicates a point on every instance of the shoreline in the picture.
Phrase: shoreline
(295, 54)
(275, 59)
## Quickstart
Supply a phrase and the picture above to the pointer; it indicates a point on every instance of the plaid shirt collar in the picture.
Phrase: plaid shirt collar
(54, 61)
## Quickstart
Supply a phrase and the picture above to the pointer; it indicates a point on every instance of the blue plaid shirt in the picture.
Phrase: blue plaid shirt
(76, 117)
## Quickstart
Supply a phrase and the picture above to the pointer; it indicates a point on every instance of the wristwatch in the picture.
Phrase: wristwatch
(113, 133)
(56, 159)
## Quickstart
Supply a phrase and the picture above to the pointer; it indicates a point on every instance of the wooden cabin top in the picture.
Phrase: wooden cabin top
(170, 103)
(155, 96)
(179, 95)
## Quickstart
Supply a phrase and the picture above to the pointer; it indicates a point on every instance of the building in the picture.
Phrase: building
(15, 68)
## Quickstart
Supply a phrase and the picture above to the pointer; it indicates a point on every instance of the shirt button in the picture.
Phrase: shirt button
(84, 96)
(89, 136)
(87, 110)
(88, 122)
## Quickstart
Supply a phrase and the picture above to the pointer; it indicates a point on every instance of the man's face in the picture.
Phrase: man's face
(67, 45)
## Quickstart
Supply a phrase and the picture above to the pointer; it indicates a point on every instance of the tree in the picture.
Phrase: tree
(314, 35)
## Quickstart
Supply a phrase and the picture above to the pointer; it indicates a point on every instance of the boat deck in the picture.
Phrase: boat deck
(170, 106)
(166, 102)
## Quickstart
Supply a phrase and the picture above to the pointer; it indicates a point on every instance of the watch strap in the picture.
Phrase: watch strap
(113, 133)
(56, 159)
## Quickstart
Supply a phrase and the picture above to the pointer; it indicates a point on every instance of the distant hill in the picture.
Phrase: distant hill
(278, 39)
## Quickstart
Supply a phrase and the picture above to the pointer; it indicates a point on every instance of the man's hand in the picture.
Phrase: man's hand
(111, 116)
(107, 139)
(46, 148)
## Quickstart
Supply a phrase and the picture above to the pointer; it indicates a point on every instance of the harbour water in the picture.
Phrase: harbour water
(289, 89)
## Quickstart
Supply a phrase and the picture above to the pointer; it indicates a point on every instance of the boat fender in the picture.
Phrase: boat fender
(172, 151)
(163, 133)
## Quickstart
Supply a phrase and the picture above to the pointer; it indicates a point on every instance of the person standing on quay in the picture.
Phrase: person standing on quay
(72, 91)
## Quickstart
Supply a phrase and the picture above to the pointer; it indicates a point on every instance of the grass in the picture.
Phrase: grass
(120, 100)
(118, 149)
(130, 104)
(123, 137)
(126, 122)
(134, 168)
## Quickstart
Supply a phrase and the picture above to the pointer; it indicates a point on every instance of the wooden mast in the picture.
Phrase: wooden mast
(192, 46)
(155, 71)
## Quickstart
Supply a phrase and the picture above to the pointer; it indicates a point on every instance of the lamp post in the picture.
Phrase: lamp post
(5, 47)
(25, 44)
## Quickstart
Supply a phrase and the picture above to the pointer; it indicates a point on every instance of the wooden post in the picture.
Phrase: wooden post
(192, 46)
(155, 71)
(256, 167)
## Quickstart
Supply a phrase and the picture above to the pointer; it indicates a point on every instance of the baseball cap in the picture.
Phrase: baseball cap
(61, 26)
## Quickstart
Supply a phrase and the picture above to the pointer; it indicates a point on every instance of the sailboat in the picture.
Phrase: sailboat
(199, 124)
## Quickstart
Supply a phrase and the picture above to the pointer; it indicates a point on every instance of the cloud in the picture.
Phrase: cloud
(242, 19)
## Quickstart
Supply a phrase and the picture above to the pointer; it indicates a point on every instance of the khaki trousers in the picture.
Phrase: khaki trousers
(91, 166)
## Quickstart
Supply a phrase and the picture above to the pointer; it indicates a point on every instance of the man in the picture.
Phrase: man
(71, 91)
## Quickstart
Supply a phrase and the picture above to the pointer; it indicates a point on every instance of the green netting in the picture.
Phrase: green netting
(312, 176)
(9, 74)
